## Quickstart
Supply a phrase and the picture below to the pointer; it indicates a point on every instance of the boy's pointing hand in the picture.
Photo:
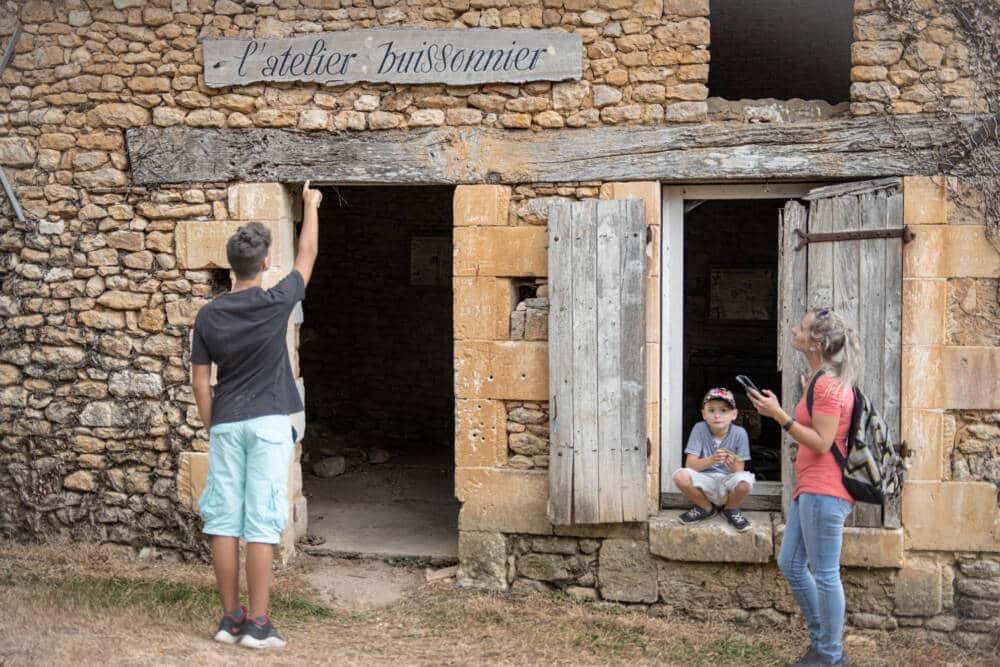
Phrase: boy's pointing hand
(311, 197)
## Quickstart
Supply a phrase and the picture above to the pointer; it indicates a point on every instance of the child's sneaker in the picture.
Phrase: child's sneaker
(261, 635)
(696, 514)
(231, 627)
(736, 519)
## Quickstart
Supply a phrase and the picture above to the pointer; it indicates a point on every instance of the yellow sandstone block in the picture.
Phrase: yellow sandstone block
(482, 308)
(202, 244)
(513, 370)
(923, 434)
(481, 205)
(500, 251)
(480, 432)
(192, 472)
(503, 500)
(950, 251)
(925, 200)
(951, 516)
(971, 377)
(925, 309)
(922, 377)
(261, 202)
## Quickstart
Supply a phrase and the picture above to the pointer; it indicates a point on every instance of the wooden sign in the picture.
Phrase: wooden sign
(409, 56)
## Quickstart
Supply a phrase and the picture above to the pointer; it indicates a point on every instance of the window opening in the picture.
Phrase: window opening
(781, 49)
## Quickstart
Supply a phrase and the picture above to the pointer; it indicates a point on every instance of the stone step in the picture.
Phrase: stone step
(712, 540)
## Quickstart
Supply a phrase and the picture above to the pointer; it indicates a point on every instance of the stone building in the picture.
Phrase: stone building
(137, 134)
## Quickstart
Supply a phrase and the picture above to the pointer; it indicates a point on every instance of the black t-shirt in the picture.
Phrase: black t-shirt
(243, 333)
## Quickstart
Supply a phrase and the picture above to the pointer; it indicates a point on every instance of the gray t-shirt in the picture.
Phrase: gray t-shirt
(702, 444)
(243, 333)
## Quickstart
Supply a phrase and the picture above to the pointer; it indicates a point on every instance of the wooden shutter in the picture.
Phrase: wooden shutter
(597, 269)
(859, 278)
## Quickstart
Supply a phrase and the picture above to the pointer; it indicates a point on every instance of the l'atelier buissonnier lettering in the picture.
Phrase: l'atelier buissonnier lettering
(430, 57)
(289, 63)
(447, 57)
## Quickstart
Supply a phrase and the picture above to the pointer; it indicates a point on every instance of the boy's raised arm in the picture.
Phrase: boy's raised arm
(305, 257)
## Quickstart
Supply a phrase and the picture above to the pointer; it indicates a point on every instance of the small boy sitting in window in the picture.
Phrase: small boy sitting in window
(716, 451)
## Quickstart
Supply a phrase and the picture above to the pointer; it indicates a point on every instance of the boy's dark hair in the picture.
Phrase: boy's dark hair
(247, 248)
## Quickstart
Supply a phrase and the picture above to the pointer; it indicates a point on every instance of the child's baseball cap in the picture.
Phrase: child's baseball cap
(720, 394)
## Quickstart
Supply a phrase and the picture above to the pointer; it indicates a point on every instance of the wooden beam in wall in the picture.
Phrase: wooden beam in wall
(853, 148)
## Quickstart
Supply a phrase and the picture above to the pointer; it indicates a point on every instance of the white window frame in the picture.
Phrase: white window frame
(672, 311)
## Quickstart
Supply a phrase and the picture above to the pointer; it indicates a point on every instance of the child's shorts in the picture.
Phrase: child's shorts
(716, 485)
(246, 494)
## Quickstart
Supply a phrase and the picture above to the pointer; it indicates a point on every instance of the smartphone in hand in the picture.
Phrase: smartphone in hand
(747, 384)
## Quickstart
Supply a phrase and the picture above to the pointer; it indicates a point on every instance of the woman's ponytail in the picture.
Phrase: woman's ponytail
(839, 343)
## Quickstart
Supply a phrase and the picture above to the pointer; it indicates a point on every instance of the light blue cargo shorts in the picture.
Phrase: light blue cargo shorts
(246, 494)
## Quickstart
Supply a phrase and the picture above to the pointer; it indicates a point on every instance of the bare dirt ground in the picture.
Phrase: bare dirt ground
(92, 605)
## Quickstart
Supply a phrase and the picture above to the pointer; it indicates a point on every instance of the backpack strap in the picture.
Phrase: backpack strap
(812, 390)
(841, 460)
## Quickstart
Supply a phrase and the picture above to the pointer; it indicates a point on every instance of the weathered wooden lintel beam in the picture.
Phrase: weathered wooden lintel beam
(854, 148)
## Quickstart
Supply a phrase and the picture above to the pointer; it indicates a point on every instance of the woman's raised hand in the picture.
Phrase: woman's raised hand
(765, 402)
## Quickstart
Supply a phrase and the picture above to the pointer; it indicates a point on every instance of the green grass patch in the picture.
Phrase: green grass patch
(181, 599)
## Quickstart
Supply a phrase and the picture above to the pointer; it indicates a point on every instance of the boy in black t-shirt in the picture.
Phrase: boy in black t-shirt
(250, 434)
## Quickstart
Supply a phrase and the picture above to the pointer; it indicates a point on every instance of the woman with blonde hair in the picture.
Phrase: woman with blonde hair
(814, 527)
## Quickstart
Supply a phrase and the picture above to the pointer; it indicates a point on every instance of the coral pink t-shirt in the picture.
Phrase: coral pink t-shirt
(820, 473)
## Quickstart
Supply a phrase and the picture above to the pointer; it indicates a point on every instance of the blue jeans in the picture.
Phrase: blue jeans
(813, 535)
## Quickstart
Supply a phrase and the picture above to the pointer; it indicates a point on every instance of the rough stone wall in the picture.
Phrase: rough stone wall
(644, 61)
(95, 402)
(912, 59)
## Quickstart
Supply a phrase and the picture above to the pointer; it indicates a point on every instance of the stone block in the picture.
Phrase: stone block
(515, 370)
(192, 472)
(951, 516)
(922, 430)
(482, 308)
(623, 531)
(503, 499)
(481, 205)
(261, 202)
(202, 244)
(872, 547)
(918, 589)
(501, 251)
(862, 547)
(300, 516)
(711, 541)
(925, 309)
(480, 432)
(482, 558)
(922, 377)
(925, 200)
(705, 587)
(971, 377)
(626, 571)
(950, 251)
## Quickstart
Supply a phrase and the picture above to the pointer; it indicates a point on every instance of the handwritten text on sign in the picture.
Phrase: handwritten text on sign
(398, 56)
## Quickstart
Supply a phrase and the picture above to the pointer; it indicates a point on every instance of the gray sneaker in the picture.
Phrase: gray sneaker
(231, 628)
(696, 514)
(261, 635)
(811, 657)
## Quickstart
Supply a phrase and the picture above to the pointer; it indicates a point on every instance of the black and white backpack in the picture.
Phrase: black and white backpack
(873, 471)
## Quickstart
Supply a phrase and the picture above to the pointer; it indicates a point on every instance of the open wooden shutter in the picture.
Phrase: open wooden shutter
(597, 269)
(861, 278)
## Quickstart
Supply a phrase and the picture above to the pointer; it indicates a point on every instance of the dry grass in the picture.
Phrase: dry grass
(89, 605)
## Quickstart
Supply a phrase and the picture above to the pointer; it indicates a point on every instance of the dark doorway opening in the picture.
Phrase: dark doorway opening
(730, 316)
(781, 49)
(376, 357)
